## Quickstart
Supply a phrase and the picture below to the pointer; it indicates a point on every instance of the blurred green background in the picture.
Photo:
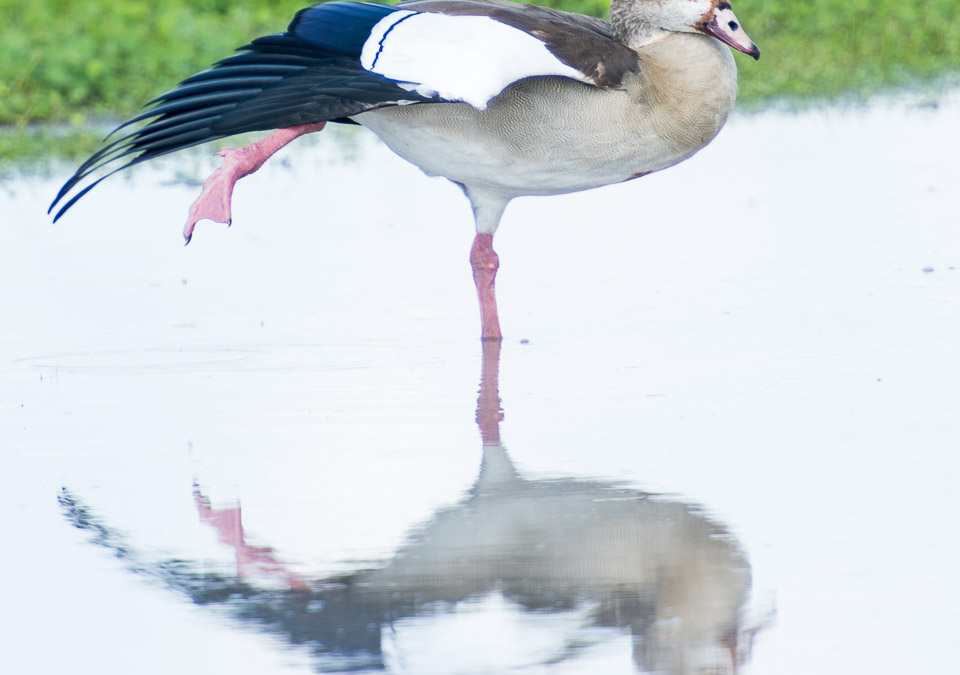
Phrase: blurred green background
(71, 62)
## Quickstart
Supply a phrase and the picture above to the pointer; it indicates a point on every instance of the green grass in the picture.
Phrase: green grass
(826, 49)
(67, 61)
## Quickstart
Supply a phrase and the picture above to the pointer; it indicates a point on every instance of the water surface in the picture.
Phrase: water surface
(728, 390)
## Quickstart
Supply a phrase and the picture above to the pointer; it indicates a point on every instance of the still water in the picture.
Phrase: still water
(720, 435)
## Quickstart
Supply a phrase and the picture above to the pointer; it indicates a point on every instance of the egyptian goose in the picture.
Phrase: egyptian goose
(500, 98)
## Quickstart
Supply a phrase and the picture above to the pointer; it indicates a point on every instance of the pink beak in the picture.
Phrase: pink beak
(724, 26)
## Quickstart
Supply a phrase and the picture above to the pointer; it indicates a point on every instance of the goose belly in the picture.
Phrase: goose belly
(541, 136)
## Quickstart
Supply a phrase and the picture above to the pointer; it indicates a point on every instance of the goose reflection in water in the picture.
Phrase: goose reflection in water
(521, 574)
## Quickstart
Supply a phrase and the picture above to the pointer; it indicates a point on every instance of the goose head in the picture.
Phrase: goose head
(638, 23)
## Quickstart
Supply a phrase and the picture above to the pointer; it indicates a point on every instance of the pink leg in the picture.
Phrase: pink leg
(485, 263)
(229, 525)
(214, 200)
(489, 412)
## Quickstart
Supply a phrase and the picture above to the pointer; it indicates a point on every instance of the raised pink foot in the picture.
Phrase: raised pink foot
(214, 200)
(485, 264)
(229, 525)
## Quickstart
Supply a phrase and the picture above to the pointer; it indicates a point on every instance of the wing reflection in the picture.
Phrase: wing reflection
(520, 575)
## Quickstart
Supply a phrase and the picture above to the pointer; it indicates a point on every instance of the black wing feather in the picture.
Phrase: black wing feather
(309, 74)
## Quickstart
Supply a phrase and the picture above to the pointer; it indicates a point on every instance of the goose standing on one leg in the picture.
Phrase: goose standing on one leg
(502, 99)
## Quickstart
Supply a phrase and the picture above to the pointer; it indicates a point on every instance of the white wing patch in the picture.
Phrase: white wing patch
(459, 58)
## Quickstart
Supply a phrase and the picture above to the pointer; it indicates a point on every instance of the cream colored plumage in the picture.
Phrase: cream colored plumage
(578, 103)
(550, 135)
